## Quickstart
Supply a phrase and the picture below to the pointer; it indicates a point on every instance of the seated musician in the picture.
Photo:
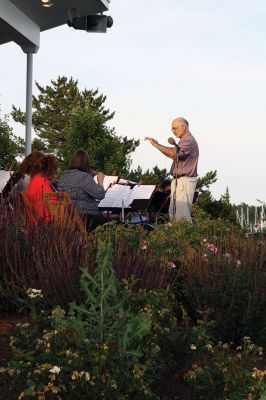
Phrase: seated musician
(79, 182)
(20, 179)
(42, 172)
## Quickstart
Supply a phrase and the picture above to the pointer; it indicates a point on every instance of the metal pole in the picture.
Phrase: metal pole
(28, 104)
(123, 211)
(242, 218)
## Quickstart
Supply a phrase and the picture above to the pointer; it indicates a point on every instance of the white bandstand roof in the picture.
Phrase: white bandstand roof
(22, 21)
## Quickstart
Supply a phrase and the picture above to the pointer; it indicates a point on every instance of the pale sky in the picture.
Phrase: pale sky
(198, 59)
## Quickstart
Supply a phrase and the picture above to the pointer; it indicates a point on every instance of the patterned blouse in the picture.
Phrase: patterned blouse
(83, 190)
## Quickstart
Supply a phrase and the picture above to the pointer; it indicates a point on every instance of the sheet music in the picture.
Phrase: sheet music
(4, 177)
(143, 191)
(118, 193)
(114, 197)
(108, 181)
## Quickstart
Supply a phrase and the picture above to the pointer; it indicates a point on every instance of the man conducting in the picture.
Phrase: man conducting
(185, 156)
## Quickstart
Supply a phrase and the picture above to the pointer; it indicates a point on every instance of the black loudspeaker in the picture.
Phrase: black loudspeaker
(92, 23)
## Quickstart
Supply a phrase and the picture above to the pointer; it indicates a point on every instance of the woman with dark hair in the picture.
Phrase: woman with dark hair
(42, 171)
(20, 179)
(78, 181)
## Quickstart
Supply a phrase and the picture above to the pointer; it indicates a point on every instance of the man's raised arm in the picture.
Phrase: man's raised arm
(167, 151)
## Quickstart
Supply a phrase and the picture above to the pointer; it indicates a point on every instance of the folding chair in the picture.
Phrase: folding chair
(30, 212)
(63, 211)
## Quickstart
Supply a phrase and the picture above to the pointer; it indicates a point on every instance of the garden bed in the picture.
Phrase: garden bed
(123, 313)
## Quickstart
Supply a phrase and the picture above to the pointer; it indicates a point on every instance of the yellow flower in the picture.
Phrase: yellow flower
(190, 375)
(55, 370)
(114, 385)
(209, 348)
(87, 376)
(32, 293)
(75, 375)
(256, 373)
(58, 312)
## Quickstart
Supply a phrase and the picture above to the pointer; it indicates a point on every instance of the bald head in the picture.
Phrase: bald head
(180, 126)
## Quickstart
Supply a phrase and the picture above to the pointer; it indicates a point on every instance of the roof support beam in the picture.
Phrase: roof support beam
(19, 27)
(28, 104)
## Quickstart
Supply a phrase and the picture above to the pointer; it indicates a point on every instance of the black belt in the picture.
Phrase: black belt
(179, 176)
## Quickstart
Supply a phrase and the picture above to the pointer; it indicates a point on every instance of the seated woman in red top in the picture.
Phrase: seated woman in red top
(21, 177)
(42, 173)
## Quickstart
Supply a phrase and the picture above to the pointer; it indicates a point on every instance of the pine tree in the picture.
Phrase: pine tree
(205, 181)
(225, 198)
(108, 153)
(149, 177)
(52, 109)
(216, 208)
(11, 146)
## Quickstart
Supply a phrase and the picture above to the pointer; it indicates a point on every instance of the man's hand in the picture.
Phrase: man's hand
(151, 140)
(167, 151)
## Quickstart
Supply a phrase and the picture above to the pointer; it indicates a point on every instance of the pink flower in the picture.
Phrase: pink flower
(238, 263)
(171, 264)
(212, 247)
(214, 250)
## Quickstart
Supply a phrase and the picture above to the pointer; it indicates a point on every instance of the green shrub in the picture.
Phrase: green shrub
(224, 371)
(49, 257)
(228, 276)
(97, 350)
(41, 256)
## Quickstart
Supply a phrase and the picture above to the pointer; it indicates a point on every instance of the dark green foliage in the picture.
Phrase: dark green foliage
(53, 107)
(38, 145)
(228, 277)
(204, 182)
(97, 351)
(37, 255)
(156, 176)
(225, 198)
(106, 314)
(215, 208)
(49, 257)
(224, 370)
(133, 328)
(52, 111)
(109, 153)
(11, 146)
